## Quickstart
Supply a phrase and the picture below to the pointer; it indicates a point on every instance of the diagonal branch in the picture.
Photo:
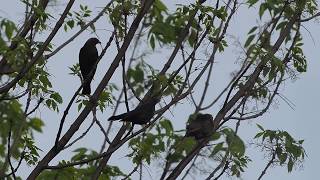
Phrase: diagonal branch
(40, 52)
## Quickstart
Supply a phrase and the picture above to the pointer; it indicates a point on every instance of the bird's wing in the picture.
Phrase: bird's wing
(82, 61)
(125, 116)
(88, 57)
(113, 118)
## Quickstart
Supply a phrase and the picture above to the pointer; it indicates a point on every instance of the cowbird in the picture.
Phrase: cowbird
(200, 126)
(142, 114)
(88, 58)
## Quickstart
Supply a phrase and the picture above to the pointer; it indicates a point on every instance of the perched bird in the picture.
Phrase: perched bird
(200, 126)
(88, 58)
(142, 114)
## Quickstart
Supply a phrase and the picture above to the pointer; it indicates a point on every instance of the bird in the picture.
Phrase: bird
(88, 57)
(200, 126)
(142, 114)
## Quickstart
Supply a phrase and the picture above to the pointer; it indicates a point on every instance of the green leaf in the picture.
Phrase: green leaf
(166, 124)
(216, 149)
(56, 96)
(82, 7)
(160, 6)
(93, 27)
(282, 157)
(281, 25)
(79, 106)
(262, 9)
(152, 43)
(260, 127)
(71, 23)
(65, 27)
(253, 29)
(215, 136)
(290, 165)
(36, 124)
(258, 135)
(249, 40)
(237, 146)
(252, 2)
(139, 75)
(10, 28)
(192, 37)
(48, 102)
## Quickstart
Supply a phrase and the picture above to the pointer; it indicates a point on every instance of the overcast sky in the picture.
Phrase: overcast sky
(301, 122)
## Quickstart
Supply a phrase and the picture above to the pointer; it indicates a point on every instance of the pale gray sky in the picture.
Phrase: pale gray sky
(301, 123)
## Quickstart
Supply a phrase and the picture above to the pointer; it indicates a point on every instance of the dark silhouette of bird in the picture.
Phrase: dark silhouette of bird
(88, 58)
(142, 114)
(200, 126)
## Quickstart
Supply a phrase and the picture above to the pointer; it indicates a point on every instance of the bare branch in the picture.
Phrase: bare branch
(309, 18)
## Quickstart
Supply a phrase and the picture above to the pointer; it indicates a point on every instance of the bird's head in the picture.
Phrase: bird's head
(93, 41)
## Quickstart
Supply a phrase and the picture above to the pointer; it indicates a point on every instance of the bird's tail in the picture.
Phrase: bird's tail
(86, 89)
(118, 117)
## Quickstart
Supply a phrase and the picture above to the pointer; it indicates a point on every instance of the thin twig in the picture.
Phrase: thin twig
(133, 171)
(65, 113)
(267, 166)
(309, 18)
(80, 137)
(36, 107)
(99, 124)
(9, 151)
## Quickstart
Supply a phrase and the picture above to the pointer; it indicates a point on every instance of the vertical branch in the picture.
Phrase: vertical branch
(9, 151)
(122, 91)
(65, 113)
(140, 177)
(123, 75)
(146, 6)
(204, 93)
(187, 81)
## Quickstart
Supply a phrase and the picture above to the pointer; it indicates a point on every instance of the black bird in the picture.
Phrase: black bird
(88, 58)
(200, 127)
(142, 114)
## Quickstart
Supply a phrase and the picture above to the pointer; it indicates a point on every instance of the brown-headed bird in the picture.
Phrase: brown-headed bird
(200, 126)
(142, 114)
(88, 58)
